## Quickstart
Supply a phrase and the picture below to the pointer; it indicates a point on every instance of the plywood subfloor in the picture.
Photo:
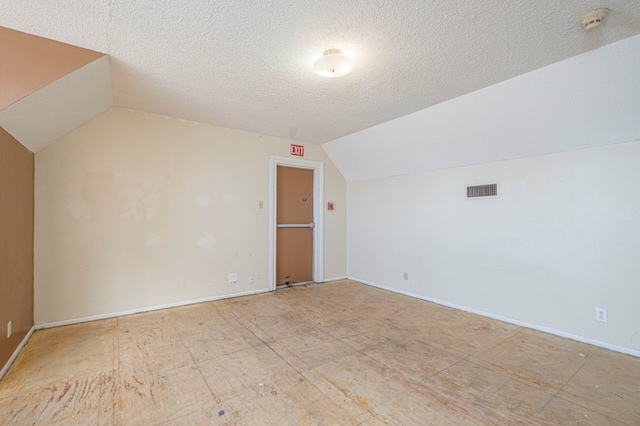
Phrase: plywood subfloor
(337, 353)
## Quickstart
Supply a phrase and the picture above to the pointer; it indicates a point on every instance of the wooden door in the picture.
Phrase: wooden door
(294, 225)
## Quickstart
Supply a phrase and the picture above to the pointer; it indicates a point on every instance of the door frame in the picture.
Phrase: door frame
(318, 214)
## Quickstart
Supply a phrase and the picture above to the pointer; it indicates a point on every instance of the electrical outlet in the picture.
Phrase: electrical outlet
(406, 276)
(9, 331)
(601, 314)
(258, 276)
(233, 277)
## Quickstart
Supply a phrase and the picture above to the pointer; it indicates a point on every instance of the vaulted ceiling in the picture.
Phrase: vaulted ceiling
(49, 88)
(246, 64)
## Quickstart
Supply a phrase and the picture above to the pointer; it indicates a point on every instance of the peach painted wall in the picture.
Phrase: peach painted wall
(16, 243)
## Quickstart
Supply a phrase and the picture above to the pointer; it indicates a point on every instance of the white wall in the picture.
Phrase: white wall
(562, 238)
(135, 210)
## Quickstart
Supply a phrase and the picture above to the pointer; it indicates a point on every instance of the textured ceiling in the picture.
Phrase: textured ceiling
(245, 64)
(586, 101)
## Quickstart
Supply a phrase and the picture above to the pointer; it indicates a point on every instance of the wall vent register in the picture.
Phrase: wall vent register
(482, 191)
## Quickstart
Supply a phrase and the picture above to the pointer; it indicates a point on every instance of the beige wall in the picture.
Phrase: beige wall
(16, 243)
(135, 210)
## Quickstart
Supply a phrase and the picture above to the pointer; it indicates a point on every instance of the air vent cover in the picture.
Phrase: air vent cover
(482, 191)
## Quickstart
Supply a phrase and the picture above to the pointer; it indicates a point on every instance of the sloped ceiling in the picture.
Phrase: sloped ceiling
(582, 102)
(67, 103)
(49, 88)
(29, 63)
(245, 64)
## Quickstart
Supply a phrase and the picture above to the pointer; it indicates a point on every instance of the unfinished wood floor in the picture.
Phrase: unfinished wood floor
(338, 353)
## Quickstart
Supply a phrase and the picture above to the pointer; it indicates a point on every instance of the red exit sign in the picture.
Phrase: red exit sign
(297, 150)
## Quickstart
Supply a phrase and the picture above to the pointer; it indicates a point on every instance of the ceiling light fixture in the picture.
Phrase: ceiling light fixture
(594, 19)
(333, 63)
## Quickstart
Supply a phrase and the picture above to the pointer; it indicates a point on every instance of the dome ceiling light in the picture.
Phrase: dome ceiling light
(333, 63)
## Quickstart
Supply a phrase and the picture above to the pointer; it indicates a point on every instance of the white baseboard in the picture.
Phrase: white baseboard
(15, 353)
(146, 309)
(548, 330)
(327, 280)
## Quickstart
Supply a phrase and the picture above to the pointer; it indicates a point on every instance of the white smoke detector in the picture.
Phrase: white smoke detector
(594, 19)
